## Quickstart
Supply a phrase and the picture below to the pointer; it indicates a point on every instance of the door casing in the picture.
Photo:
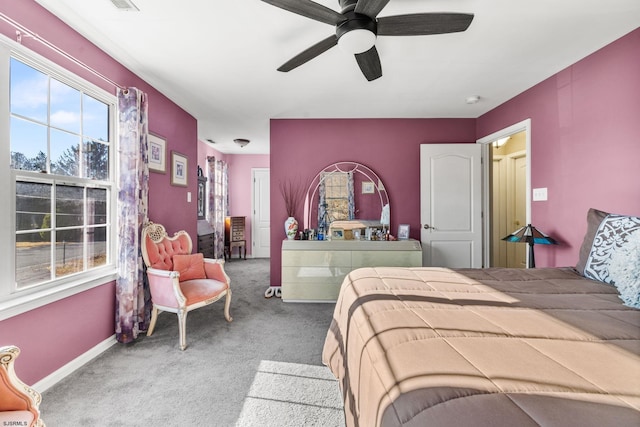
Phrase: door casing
(523, 126)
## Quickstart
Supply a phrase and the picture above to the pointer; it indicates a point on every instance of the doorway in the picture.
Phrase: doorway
(508, 206)
(506, 193)
(261, 222)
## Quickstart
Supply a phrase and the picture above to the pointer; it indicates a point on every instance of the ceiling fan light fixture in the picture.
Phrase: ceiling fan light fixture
(357, 41)
(241, 141)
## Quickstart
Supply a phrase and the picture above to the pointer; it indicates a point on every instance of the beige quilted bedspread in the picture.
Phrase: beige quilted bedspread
(499, 347)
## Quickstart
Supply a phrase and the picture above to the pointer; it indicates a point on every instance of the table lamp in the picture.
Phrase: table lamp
(531, 235)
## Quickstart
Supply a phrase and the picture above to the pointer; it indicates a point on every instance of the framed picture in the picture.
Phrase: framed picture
(337, 234)
(367, 187)
(202, 186)
(178, 169)
(403, 232)
(157, 154)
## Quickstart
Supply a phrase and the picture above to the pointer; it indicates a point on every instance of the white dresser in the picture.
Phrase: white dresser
(312, 270)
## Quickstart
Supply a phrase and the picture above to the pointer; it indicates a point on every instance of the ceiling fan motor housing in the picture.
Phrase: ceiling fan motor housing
(355, 21)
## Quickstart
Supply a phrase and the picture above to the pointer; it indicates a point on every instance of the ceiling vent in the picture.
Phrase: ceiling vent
(126, 5)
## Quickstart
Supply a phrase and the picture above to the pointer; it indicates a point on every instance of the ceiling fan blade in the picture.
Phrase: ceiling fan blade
(421, 24)
(309, 53)
(369, 63)
(309, 9)
(371, 8)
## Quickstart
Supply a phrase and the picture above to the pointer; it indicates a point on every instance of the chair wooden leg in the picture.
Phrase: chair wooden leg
(182, 326)
(227, 305)
(152, 324)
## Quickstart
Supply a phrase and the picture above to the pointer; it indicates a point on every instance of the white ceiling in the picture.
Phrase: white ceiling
(217, 59)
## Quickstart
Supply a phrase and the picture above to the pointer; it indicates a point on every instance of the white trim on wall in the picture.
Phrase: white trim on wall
(60, 374)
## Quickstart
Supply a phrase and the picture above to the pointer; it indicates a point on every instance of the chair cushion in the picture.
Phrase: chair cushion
(214, 271)
(189, 266)
(161, 254)
(198, 290)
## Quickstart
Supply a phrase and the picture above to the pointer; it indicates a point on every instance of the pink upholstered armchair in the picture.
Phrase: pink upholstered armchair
(18, 402)
(179, 280)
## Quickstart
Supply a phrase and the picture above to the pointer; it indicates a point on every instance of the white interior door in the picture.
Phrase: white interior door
(451, 205)
(261, 224)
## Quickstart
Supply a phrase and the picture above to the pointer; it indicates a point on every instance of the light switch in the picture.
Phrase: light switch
(539, 194)
(188, 196)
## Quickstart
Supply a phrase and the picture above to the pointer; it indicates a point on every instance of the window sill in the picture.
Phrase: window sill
(14, 306)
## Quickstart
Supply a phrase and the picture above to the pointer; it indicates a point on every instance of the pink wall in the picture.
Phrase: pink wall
(68, 328)
(390, 147)
(585, 143)
(240, 184)
(53, 335)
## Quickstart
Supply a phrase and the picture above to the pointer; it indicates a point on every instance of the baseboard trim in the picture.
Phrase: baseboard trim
(58, 375)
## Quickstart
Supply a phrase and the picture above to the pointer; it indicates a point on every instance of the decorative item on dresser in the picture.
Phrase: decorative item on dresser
(234, 236)
(205, 239)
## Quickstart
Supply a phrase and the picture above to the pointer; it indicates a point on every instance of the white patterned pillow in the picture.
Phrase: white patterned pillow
(615, 256)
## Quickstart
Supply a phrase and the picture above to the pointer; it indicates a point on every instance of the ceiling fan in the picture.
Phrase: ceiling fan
(357, 27)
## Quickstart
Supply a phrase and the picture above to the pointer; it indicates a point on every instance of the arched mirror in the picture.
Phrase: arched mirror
(346, 191)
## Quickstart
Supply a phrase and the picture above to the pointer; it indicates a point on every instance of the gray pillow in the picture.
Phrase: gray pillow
(594, 218)
(614, 256)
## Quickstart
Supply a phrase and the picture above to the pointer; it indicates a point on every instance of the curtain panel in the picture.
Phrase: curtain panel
(133, 300)
(218, 201)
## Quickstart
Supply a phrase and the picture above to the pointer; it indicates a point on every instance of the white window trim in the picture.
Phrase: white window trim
(15, 303)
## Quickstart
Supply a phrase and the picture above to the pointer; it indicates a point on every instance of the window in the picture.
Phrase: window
(336, 196)
(61, 152)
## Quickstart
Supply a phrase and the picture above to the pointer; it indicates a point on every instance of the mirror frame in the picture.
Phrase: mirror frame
(343, 167)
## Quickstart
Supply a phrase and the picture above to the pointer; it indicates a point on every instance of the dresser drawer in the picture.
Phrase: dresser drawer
(205, 245)
(205, 240)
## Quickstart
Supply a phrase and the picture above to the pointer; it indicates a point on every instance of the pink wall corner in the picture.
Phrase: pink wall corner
(205, 150)
(390, 147)
(585, 145)
(53, 335)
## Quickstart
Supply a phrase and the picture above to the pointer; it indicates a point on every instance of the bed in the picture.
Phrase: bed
(474, 347)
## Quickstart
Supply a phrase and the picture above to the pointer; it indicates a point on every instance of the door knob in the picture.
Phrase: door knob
(427, 227)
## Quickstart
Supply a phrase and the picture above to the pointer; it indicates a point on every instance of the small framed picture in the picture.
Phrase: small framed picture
(178, 169)
(368, 187)
(403, 232)
(337, 234)
(157, 154)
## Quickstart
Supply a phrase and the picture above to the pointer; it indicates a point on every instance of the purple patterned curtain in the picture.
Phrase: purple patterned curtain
(133, 301)
(218, 202)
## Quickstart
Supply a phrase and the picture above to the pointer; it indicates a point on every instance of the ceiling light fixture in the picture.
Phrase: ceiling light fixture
(500, 142)
(241, 141)
(472, 99)
(357, 41)
(125, 5)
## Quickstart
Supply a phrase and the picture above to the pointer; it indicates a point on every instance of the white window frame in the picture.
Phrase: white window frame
(16, 301)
